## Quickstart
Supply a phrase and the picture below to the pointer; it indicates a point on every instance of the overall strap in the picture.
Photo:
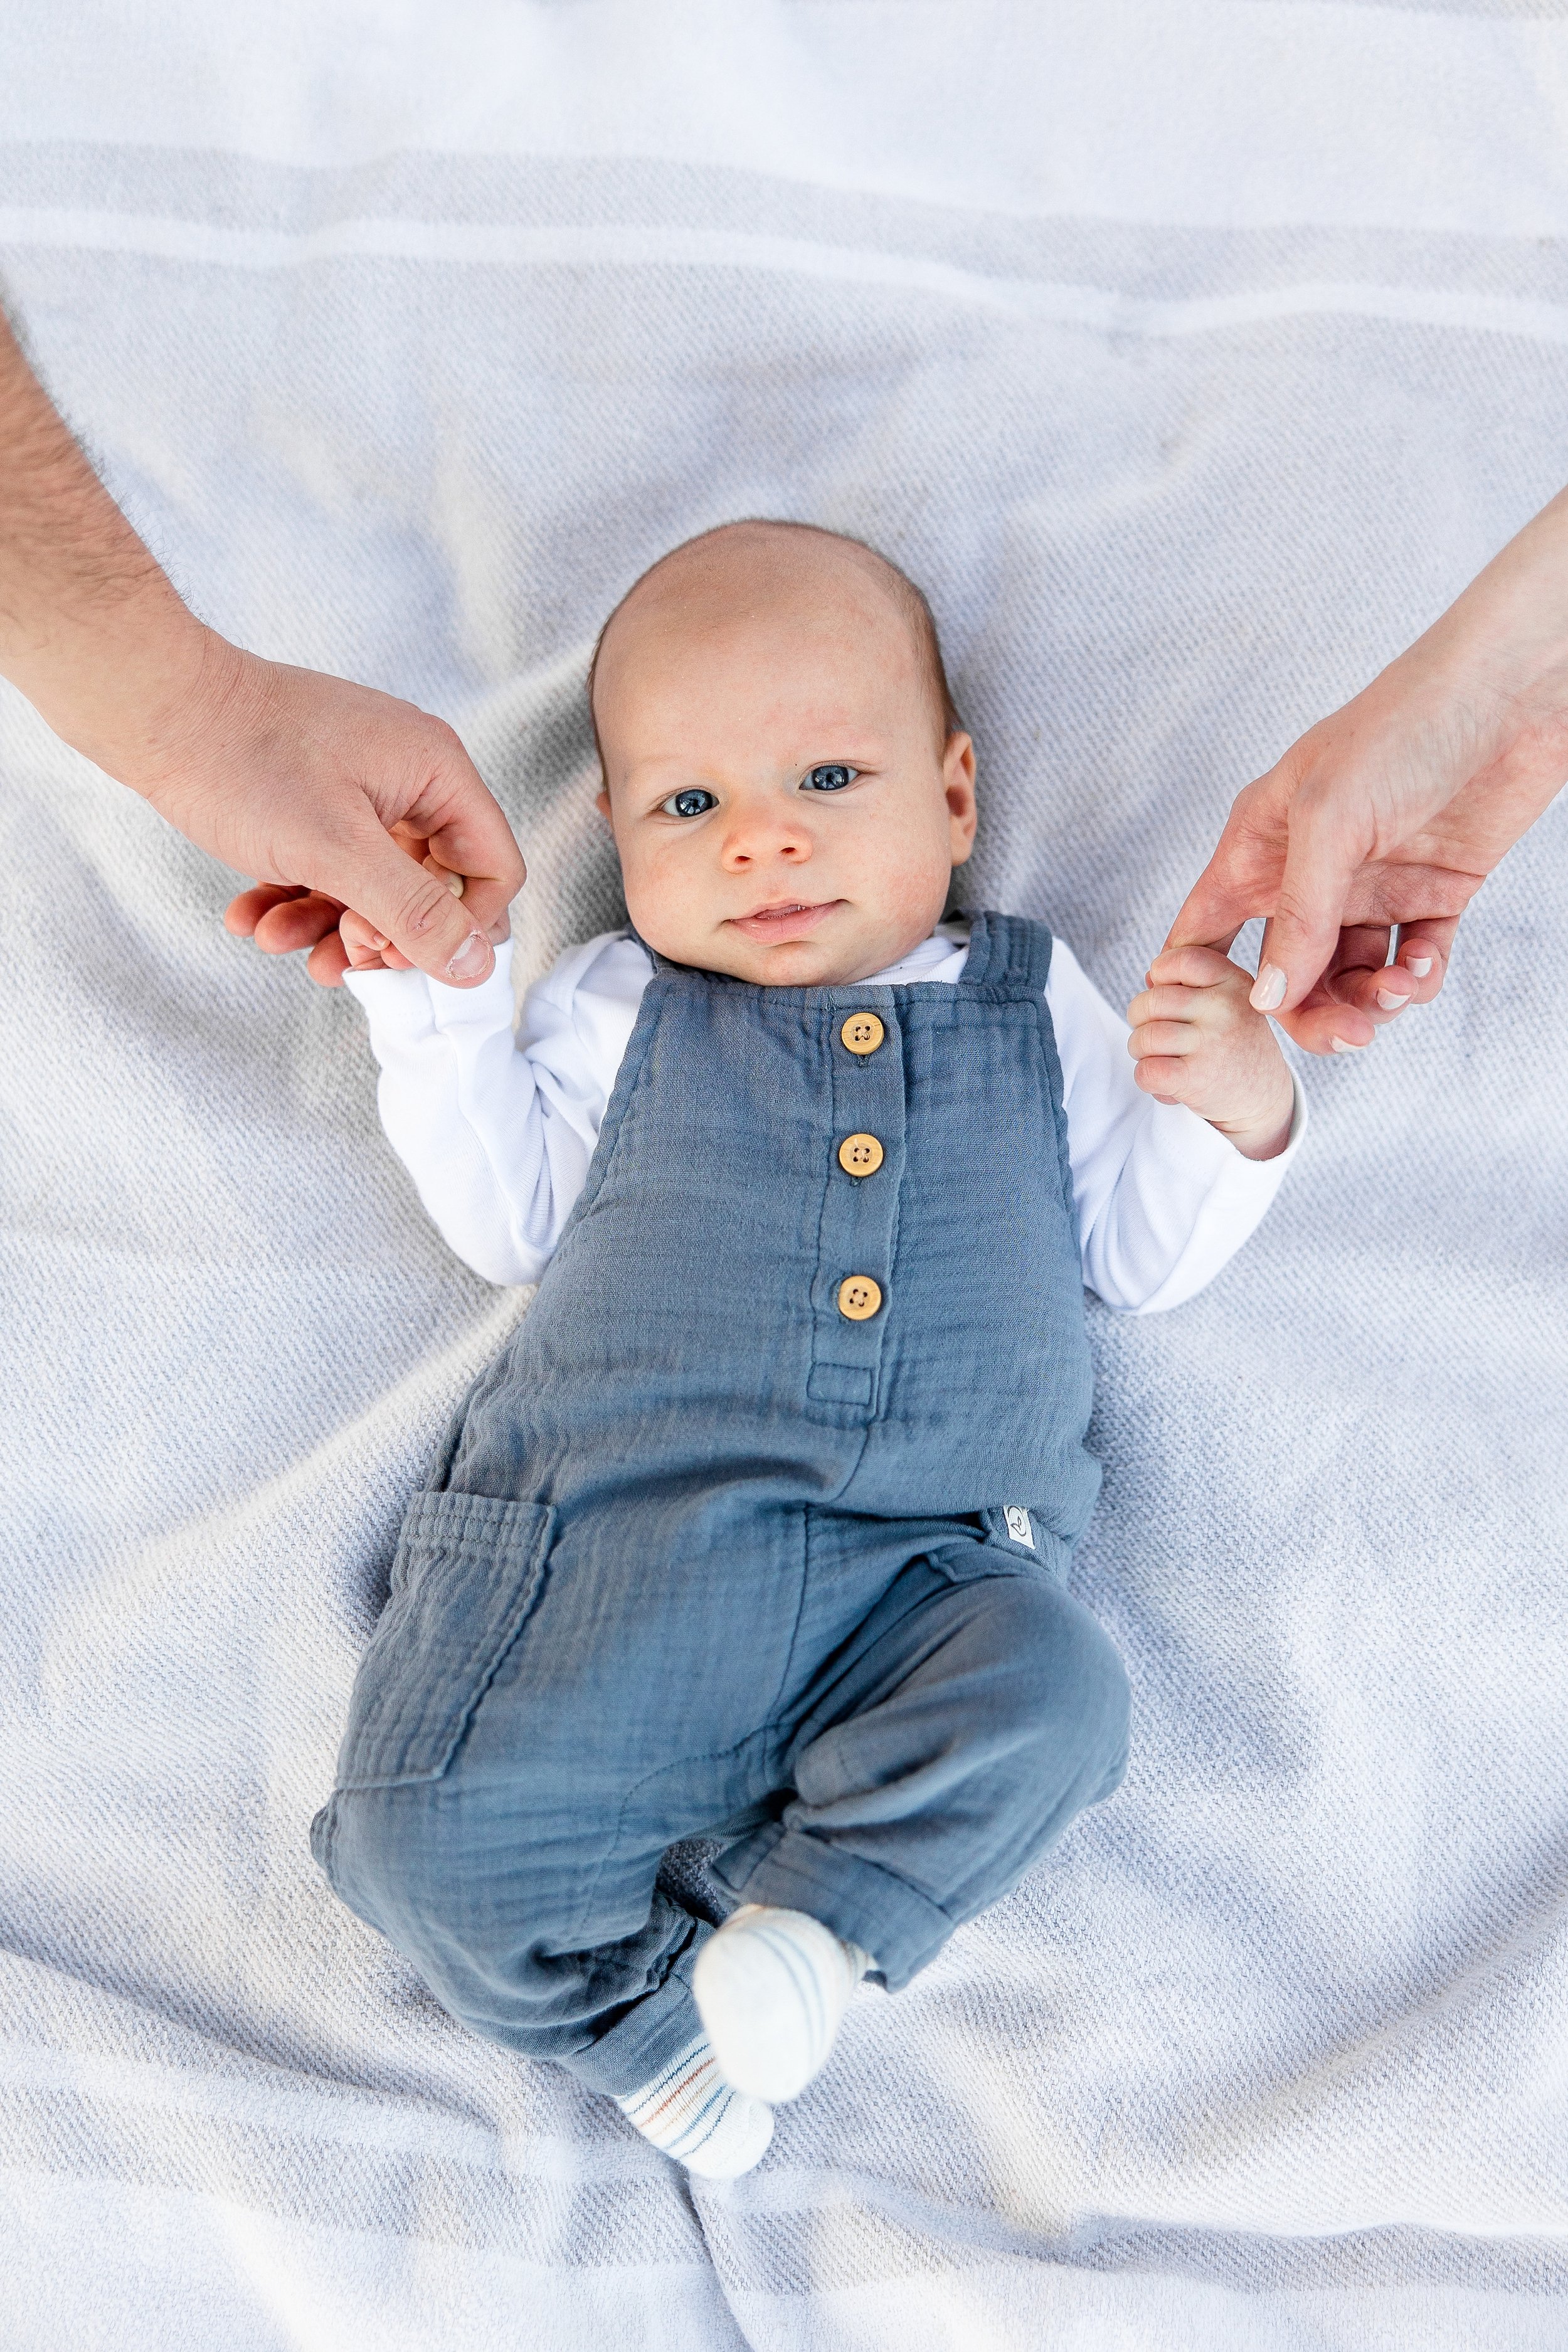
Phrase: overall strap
(1008, 951)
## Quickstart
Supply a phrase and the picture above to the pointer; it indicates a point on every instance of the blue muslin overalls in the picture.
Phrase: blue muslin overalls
(756, 1526)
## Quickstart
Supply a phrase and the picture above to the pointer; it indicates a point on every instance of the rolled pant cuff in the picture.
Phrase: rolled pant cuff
(654, 2030)
(861, 1902)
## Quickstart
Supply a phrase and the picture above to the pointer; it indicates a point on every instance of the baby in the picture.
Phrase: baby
(757, 1528)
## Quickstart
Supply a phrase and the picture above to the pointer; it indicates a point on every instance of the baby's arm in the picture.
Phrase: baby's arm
(496, 1134)
(1163, 1199)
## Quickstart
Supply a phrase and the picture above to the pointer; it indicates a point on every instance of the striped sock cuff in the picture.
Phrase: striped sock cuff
(684, 2104)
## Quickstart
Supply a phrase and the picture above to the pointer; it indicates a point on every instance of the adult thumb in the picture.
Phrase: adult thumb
(1302, 932)
(415, 909)
(1213, 912)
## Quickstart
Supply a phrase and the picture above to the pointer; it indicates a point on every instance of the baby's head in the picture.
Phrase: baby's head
(783, 772)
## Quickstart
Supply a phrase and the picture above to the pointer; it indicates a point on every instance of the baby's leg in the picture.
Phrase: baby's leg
(526, 1935)
(467, 1890)
(523, 1746)
(944, 1748)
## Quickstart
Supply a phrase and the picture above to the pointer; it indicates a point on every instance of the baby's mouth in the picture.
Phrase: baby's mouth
(787, 919)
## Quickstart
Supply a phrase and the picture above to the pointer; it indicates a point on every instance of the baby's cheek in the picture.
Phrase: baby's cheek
(908, 879)
(671, 907)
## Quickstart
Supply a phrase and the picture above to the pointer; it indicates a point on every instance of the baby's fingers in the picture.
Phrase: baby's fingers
(363, 945)
(1166, 1038)
(1189, 967)
(1169, 1002)
(1168, 1077)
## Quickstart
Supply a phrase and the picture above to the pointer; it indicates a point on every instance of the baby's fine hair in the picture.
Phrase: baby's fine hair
(911, 600)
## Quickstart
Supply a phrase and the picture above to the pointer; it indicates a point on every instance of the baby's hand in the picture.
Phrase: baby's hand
(1197, 1040)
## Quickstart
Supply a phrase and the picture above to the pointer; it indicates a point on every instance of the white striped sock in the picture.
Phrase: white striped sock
(772, 1988)
(691, 2111)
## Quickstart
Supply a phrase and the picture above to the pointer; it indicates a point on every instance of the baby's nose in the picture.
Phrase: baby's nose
(748, 843)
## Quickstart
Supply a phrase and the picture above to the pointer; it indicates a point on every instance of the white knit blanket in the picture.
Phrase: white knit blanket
(1193, 357)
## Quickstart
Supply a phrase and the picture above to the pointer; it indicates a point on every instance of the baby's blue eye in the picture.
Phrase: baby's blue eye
(830, 779)
(695, 803)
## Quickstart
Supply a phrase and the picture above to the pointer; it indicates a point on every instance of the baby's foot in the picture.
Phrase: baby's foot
(772, 1988)
(691, 2111)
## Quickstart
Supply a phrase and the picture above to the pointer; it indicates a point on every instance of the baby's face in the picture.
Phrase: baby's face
(782, 802)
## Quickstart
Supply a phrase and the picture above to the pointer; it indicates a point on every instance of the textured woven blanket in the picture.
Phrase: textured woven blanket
(1193, 357)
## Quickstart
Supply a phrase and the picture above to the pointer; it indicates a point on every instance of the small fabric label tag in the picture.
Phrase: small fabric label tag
(1020, 1526)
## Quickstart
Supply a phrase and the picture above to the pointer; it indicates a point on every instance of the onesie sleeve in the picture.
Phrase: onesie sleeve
(1163, 1199)
(496, 1129)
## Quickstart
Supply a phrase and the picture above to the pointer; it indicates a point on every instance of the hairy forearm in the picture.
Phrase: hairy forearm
(91, 630)
(292, 776)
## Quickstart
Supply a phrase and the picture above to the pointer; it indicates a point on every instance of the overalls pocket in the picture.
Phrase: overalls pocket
(467, 1574)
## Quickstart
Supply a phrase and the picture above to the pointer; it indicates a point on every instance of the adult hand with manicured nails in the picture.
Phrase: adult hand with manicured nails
(296, 778)
(1386, 817)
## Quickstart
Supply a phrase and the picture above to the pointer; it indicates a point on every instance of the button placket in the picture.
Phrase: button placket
(863, 1152)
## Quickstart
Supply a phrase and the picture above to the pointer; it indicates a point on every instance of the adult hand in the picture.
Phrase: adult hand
(364, 949)
(1388, 816)
(293, 777)
(312, 783)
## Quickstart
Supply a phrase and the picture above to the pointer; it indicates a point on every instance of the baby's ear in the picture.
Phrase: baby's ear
(602, 801)
(958, 788)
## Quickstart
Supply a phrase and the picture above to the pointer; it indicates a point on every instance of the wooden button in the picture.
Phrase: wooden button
(860, 1155)
(859, 1297)
(862, 1032)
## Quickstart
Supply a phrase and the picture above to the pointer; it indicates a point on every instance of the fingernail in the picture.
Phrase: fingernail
(1344, 1045)
(1390, 1003)
(1419, 965)
(472, 959)
(1268, 990)
(379, 940)
(455, 883)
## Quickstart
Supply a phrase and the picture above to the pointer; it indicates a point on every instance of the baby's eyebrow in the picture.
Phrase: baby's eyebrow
(864, 754)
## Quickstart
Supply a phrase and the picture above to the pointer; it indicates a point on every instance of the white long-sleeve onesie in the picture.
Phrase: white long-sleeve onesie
(496, 1129)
